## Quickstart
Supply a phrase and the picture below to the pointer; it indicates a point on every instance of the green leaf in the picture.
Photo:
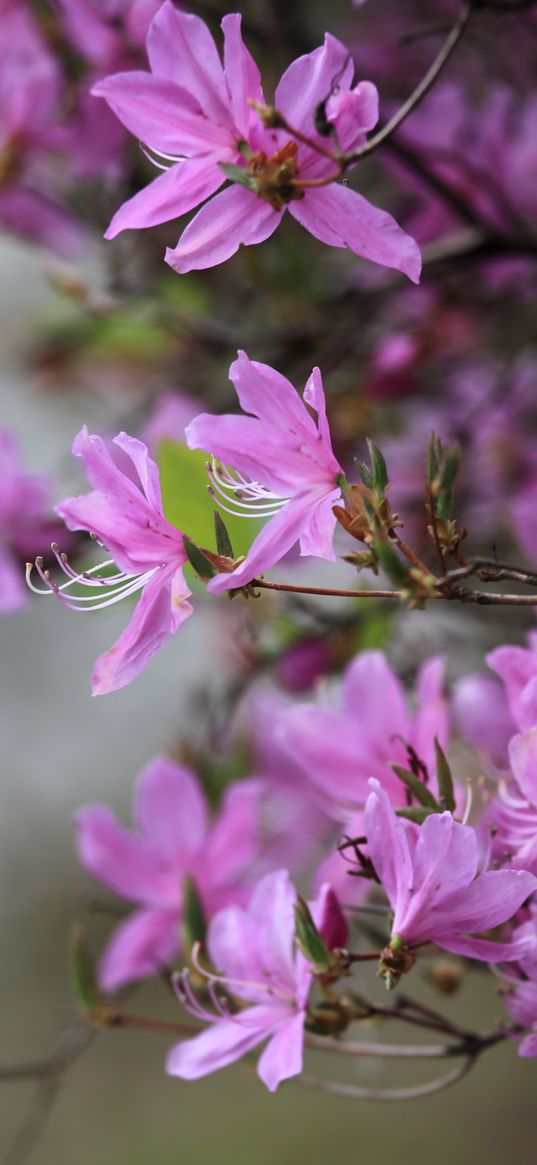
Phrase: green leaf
(444, 779)
(419, 790)
(204, 569)
(194, 926)
(187, 504)
(239, 175)
(223, 541)
(365, 473)
(415, 814)
(379, 469)
(309, 940)
(83, 970)
(432, 460)
(393, 566)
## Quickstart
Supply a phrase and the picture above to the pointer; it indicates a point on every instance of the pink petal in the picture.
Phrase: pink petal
(171, 812)
(330, 919)
(523, 761)
(274, 540)
(493, 898)
(33, 215)
(272, 906)
(374, 697)
(258, 450)
(341, 217)
(329, 751)
(227, 1040)
(354, 113)
(233, 944)
(139, 947)
(172, 194)
(267, 394)
(318, 535)
(310, 80)
(283, 1054)
(484, 949)
(234, 840)
(482, 715)
(242, 74)
(314, 396)
(146, 469)
(162, 115)
(388, 846)
(152, 622)
(528, 1046)
(117, 858)
(181, 49)
(517, 667)
(232, 218)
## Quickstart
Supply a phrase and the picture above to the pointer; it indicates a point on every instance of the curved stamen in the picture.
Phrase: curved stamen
(240, 497)
(228, 981)
(116, 586)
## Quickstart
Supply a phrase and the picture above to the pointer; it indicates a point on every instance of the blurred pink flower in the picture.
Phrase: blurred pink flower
(25, 522)
(340, 748)
(32, 138)
(174, 840)
(282, 467)
(205, 120)
(257, 962)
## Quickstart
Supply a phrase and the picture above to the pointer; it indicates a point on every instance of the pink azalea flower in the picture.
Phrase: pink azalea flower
(517, 668)
(430, 875)
(126, 516)
(482, 716)
(174, 839)
(340, 748)
(31, 140)
(257, 962)
(513, 811)
(196, 116)
(282, 463)
(24, 522)
(521, 1000)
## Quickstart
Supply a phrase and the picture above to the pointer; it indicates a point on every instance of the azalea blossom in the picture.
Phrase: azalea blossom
(196, 118)
(282, 467)
(430, 876)
(174, 840)
(517, 668)
(261, 969)
(340, 747)
(124, 513)
(521, 999)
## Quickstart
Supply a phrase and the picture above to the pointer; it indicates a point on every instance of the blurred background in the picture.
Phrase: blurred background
(107, 335)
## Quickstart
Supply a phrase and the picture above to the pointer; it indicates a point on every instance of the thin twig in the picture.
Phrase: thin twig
(421, 90)
(355, 1092)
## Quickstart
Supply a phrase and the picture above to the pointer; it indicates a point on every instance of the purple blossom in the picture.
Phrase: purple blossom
(258, 963)
(126, 516)
(31, 139)
(517, 668)
(25, 522)
(521, 1000)
(430, 875)
(174, 840)
(282, 464)
(196, 117)
(340, 748)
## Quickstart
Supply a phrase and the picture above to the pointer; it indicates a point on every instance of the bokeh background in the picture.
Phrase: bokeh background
(81, 343)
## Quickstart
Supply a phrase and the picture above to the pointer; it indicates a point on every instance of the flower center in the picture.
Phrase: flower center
(274, 176)
(239, 496)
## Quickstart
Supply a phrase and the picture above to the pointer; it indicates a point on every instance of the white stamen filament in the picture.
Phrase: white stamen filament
(117, 586)
(240, 497)
(148, 151)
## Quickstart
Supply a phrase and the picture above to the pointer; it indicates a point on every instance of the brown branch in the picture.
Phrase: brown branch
(421, 90)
